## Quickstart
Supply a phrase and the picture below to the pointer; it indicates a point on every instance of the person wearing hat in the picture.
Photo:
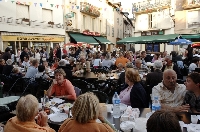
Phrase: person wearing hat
(7, 69)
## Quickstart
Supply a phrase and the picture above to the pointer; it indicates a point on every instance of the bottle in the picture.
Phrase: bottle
(155, 104)
(45, 98)
(116, 105)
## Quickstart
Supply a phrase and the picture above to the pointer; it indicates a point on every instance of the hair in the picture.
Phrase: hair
(72, 59)
(86, 108)
(27, 108)
(7, 49)
(34, 62)
(163, 121)
(9, 62)
(120, 65)
(195, 77)
(107, 57)
(158, 64)
(15, 70)
(27, 57)
(37, 50)
(61, 71)
(41, 68)
(62, 63)
(195, 60)
(1, 60)
(64, 56)
(168, 57)
(139, 60)
(132, 75)
(57, 59)
(129, 65)
(143, 52)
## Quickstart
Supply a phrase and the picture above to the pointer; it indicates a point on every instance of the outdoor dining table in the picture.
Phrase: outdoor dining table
(92, 75)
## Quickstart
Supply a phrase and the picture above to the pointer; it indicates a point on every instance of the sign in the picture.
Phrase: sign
(32, 38)
(149, 33)
(87, 32)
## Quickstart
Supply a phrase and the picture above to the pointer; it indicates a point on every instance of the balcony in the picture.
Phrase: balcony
(190, 4)
(148, 7)
(89, 9)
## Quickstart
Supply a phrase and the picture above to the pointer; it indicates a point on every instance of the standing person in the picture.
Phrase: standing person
(18, 56)
(12, 56)
(58, 51)
(37, 55)
(7, 54)
(189, 52)
(51, 55)
(24, 53)
(64, 50)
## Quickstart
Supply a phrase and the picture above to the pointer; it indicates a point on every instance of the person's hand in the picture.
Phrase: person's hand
(42, 119)
(182, 108)
(54, 82)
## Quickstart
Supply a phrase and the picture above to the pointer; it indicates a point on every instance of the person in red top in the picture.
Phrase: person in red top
(64, 51)
(62, 88)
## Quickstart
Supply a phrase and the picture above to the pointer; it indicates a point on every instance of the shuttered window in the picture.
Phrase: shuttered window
(22, 11)
(47, 15)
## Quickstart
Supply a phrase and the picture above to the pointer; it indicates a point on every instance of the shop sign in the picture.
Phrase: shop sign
(31, 38)
(87, 32)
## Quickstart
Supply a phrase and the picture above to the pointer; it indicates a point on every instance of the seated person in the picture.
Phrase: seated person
(61, 87)
(192, 96)
(7, 69)
(163, 121)
(194, 64)
(47, 67)
(65, 58)
(85, 112)
(71, 65)
(134, 94)
(170, 93)
(32, 70)
(41, 73)
(55, 64)
(119, 69)
(16, 73)
(140, 67)
(68, 72)
(24, 121)
(26, 62)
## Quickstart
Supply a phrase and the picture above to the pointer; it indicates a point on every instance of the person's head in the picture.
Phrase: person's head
(107, 57)
(35, 63)
(132, 76)
(26, 58)
(15, 70)
(64, 56)
(9, 62)
(59, 75)
(163, 121)
(41, 68)
(156, 56)
(168, 59)
(45, 63)
(82, 59)
(129, 65)
(193, 82)
(138, 63)
(2, 62)
(158, 64)
(195, 60)
(62, 63)
(85, 108)
(7, 49)
(143, 54)
(27, 108)
(121, 55)
(37, 50)
(71, 60)
(57, 60)
(169, 78)
(57, 46)
(120, 66)
(25, 49)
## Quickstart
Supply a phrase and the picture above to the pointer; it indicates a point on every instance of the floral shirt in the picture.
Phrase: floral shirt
(192, 100)
(166, 97)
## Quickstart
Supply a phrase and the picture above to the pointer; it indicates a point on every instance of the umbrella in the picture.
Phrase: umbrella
(180, 42)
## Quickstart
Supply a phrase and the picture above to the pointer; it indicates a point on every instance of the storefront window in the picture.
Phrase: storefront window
(153, 47)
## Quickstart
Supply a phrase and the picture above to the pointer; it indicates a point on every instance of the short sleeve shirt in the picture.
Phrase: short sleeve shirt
(192, 100)
(167, 97)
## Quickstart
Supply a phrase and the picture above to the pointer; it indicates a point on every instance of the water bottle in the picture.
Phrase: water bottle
(116, 105)
(155, 104)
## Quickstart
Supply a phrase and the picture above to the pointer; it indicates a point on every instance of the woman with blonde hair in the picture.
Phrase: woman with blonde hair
(85, 111)
(134, 94)
(24, 121)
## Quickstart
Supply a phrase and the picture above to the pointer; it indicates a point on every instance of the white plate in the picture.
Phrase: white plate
(61, 106)
(58, 117)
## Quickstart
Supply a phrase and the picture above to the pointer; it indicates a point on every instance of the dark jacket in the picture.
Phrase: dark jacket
(7, 69)
(1, 68)
(154, 78)
(138, 96)
(6, 56)
(22, 56)
(58, 53)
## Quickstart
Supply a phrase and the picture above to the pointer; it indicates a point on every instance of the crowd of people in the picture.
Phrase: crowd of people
(142, 76)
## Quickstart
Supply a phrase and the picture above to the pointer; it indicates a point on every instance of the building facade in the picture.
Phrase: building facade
(100, 16)
(31, 23)
(154, 18)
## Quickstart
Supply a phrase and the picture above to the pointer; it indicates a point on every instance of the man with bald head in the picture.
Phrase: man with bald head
(170, 93)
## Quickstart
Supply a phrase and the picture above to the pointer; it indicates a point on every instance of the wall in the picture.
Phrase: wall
(8, 9)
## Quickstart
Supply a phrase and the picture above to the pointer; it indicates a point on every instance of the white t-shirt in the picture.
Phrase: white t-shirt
(192, 67)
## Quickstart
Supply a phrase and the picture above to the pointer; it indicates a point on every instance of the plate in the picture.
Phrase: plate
(58, 117)
(61, 106)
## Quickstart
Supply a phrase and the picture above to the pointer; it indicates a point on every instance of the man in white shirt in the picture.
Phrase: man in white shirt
(194, 64)
(65, 59)
(170, 93)
(26, 62)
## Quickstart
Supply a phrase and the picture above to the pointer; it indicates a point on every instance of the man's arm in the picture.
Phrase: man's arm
(182, 108)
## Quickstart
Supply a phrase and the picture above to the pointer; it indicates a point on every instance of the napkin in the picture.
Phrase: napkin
(57, 100)
(55, 110)
(130, 114)
(126, 126)
(193, 127)
(140, 125)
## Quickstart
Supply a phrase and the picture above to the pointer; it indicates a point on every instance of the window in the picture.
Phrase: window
(47, 15)
(108, 30)
(150, 21)
(118, 33)
(100, 26)
(22, 11)
(193, 19)
(74, 19)
(84, 17)
(153, 47)
(113, 33)
(93, 21)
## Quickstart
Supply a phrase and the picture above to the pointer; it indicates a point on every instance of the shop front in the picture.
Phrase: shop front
(37, 42)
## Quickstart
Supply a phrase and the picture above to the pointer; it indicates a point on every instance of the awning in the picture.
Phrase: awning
(79, 38)
(102, 40)
(165, 38)
(191, 36)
